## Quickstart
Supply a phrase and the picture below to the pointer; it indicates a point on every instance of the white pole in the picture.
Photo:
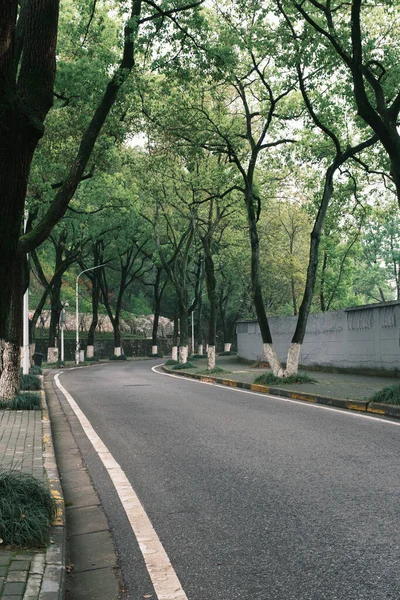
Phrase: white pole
(25, 327)
(77, 319)
(62, 341)
(77, 308)
(193, 352)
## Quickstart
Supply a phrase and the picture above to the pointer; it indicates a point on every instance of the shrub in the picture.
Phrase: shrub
(26, 510)
(30, 382)
(186, 365)
(215, 370)
(196, 356)
(115, 357)
(230, 353)
(388, 395)
(158, 355)
(93, 358)
(59, 364)
(271, 379)
(27, 401)
(35, 370)
(170, 361)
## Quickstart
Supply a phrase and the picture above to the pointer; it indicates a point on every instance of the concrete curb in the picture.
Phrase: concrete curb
(54, 577)
(366, 406)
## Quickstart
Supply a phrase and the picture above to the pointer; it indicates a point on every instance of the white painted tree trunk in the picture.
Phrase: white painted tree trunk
(183, 354)
(32, 349)
(293, 358)
(206, 348)
(273, 359)
(174, 353)
(210, 358)
(154, 349)
(9, 369)
(52, 355)
(89, 351)
(200, 349)
(117, 351)
(227, 347)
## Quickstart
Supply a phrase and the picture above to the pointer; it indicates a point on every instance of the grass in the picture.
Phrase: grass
(26, 510)
(230, 353)
(271, 379)
(171, 362)
(30, 382)
(186, 365)
(115, 357)
(388, 395)
(213, 371)
(59, 364)
(25, 401)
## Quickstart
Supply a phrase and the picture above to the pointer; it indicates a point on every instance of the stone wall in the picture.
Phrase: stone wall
(363, 338)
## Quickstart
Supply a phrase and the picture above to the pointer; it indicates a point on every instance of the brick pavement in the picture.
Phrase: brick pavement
(31, 574)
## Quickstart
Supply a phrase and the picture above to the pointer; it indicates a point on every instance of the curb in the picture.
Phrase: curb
(54, 577)
(387, 410)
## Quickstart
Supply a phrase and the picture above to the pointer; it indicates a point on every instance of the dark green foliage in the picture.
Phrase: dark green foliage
(170, 361)
(26, 510)
(271, 379)
(27, 401)
(388, 395)
(115, 357)
(227, 353)
(30, 382)
(158, 355)
(35, 370)
(213, 371)
(195, 356)
(59, 364)
(186, 365)
(93, 358)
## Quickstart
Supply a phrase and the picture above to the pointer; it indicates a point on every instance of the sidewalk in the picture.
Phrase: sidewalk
(344, 390)
(25, 445)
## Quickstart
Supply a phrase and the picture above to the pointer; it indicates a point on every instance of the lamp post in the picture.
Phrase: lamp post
(77, 308)
(25, 322)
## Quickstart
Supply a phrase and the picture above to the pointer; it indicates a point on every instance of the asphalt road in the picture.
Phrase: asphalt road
(252, 497)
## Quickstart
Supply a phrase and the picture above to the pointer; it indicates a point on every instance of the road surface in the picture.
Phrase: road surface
(252, 497)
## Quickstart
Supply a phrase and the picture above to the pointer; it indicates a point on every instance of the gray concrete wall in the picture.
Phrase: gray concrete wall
(364, 337)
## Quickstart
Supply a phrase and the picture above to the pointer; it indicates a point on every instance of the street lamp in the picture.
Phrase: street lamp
(77, 308)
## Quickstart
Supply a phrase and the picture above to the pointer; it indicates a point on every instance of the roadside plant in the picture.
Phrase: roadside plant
(30, 382)
(26, 510)
(24, 401)
(270, 379)
(388, 395)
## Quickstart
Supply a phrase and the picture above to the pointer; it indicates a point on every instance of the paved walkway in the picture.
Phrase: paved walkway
(335, 385)
(25, 446)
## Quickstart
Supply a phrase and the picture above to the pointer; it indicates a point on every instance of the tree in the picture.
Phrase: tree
(27, 73)
(359, 34)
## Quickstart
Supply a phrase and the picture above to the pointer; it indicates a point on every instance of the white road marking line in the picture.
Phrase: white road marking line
(281, 398)
(163, 577)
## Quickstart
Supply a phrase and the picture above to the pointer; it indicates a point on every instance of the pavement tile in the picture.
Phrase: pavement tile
(94, 551)
(93, 585)
(3, 571)
(87, 519)
(20, 565)
(14, 589)
(17, 576)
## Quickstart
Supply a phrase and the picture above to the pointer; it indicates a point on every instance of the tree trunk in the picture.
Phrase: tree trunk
(55, 311)
(269, 350)
(183, 337)
(212, 300)
(175, 337)
(117, 337)
(95, 307)
(10, 345)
